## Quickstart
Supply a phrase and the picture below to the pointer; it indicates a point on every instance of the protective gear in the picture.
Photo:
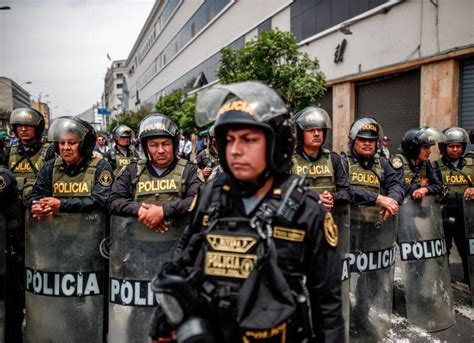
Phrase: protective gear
(79, 185)
(468, 210)
(122, 131)
(27, 116)
(364, 178)
(158, 125)
(84, 131)
(414, 139)
(64, 278)
(319, 174)
(425, 269)
(255, 105)
(454, 135)
(367, 128)
(311, 118)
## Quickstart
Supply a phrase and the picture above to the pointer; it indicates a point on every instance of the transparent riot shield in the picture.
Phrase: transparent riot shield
(3, 228)
(425, 269)
(371, 261)
(64, 278)
(342, 219)
(468, 207)
(136, 254)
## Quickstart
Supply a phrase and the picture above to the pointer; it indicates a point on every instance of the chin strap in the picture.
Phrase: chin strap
(247, 189)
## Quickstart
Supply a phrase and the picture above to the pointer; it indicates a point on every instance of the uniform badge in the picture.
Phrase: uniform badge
(2, 183)
(397, 162)
(105, 178)
(330, 230)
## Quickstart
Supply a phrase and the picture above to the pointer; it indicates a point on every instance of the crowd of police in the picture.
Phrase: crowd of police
(266, 236)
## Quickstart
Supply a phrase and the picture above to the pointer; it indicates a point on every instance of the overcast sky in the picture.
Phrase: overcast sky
(61, 46)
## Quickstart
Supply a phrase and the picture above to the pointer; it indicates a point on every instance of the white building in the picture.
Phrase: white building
(406, 63)
(115, 88)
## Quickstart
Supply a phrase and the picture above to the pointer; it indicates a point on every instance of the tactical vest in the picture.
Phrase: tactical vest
(411, 176)
(366, 179)
(121, 160)
(78, 186)
(24, 173)
(320, 175)
(454, 180)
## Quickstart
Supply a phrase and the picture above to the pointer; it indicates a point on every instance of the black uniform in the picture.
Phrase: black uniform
(122, 201)
(302, 249)
(206, 158)
(414, 173)
(99, 194)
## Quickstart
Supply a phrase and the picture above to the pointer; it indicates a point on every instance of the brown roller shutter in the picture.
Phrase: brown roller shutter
(326, 103)
(394, 101)
(466, 95)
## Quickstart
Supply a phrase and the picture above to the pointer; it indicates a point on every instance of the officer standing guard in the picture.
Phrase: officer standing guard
(64, 269)
(208, 159)
(424, 263)
(123, 152)
(25, 159)
(377, 192)
(455, 172)
(260, 253)
(149, 202)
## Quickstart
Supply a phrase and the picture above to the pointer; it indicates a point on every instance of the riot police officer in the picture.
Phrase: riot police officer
(415, 149)
(377, 192)
(323, 168)
(149, 202)
(208, 159)
(255, 235)
(123, 152)
(455, 172)
(63, 234)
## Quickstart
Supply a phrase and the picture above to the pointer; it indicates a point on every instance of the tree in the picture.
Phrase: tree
(131, 119)
(180, 108)
(274, 57)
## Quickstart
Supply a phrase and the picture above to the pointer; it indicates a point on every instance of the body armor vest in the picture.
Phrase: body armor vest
(366, 179)
(24, 172)
(411, 176)
(319, 174)
(81, 185)
(121, 160)
(453, 179)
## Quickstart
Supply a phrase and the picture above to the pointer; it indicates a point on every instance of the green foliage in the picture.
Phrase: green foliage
(131, 119)
(274, 57)
(180, 108)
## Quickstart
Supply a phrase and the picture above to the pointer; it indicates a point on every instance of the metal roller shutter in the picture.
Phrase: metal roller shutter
(326, 103)
(394, 101)
(466, 95)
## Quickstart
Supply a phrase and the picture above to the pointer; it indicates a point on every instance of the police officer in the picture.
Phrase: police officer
(123, 152)
(245, 249)
(323, 168)
(455, 172)
(208, 159)
(415, 149)
(377, 192)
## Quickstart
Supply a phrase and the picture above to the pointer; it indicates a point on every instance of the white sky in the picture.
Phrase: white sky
(61, 46)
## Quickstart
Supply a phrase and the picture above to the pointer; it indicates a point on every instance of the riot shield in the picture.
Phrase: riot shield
(342, 219)
(371, 261)
(425, 269)
(64, 278)
(136, 254)
(468, 207)
(3, 228)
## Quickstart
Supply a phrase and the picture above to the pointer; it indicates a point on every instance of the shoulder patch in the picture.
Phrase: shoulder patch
(396, 162)
(2, 183)
(105, 178)
(330, 230)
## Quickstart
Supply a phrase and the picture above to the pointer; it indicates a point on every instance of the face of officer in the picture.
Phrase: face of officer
(454, 151)
(364, 147)
(424, 154)
(123, 142)
(160, 151)
(101, 141)
(26, 134)
(246, 153)
(312, 140)
(69, 148)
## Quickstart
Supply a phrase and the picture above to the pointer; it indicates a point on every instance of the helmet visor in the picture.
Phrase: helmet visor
(157, 125)
(366, 128)
(456, 135)
(429, 135)
(66, 128)
(312, 118)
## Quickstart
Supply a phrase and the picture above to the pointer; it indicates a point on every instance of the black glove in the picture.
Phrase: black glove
(159, 325)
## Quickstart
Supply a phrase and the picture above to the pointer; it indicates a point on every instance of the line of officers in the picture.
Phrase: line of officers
(273, 243)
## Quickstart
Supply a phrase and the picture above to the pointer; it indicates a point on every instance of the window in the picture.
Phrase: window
(265, 26)
(309, 17)
(119, 75)
(119, 85)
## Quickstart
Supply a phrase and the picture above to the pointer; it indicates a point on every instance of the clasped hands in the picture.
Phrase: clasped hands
(45, 207)
(152, 217)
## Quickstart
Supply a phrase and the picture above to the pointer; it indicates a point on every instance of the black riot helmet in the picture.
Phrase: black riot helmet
(249, 104)
(454, 135)
(414, 139)
(28, 116)
(122, 131)
(367, 128)
(311, 118)
(84, 131)
(158, 125)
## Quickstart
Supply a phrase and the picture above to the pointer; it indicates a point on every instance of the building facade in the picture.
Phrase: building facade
(43, 108)
(405, 63)
(115, 95)
(12, 96)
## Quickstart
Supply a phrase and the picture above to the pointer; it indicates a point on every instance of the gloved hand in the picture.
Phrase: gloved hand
(160, 328)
